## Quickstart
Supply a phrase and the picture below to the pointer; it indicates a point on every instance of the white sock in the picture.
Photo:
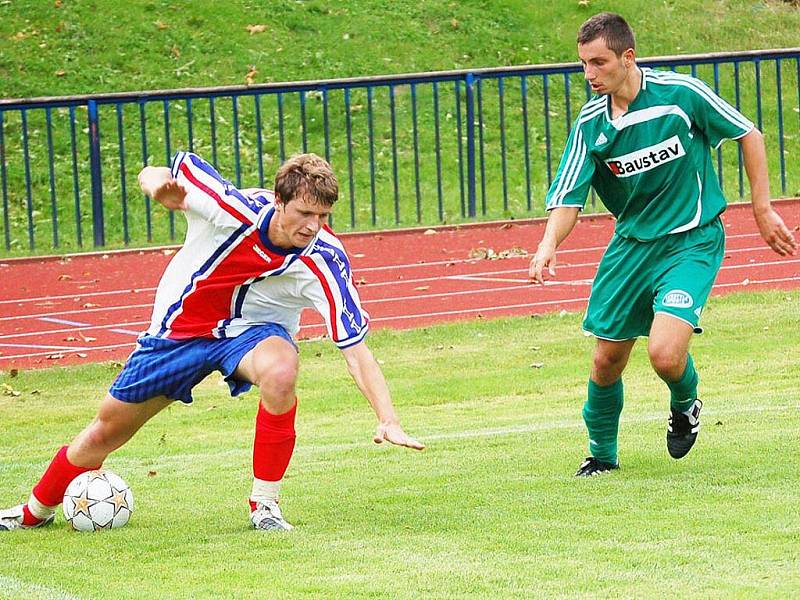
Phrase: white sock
(39, 510)
(265, 490)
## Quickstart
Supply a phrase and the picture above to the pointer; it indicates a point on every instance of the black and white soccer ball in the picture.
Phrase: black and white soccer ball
(98, 500)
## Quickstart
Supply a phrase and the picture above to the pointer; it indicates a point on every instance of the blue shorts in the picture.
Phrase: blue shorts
(171, 368)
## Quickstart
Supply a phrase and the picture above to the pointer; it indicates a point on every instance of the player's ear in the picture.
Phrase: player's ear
(629, 56)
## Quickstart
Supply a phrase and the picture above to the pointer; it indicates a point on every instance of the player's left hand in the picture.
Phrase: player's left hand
(776, 233)
(394, 434)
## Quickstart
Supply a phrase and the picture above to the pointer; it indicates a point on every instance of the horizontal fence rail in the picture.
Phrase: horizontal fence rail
(414, 149)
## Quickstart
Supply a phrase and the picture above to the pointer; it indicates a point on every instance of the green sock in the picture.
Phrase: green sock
(601, 415)
(684, 391)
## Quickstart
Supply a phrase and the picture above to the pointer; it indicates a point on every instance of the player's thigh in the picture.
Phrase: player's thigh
(686, 278)
(620, 305)
(273, 361)
(668, 344)
(115, 423)
(162, 367)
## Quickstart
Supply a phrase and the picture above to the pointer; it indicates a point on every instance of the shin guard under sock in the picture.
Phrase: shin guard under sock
(274, 443)
(601, 415)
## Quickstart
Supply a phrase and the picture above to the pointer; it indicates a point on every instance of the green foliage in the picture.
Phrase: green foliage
(489, 509)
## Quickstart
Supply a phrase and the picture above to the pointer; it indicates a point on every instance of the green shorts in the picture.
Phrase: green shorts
(636, 280)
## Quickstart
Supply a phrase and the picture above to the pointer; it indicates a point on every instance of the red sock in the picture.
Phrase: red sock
(274, 443)
(28, 518)
(51, 487)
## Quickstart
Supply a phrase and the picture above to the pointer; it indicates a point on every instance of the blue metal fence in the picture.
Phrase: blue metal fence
(409, 149)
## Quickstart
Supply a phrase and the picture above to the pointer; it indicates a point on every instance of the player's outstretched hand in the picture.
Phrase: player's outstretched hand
(776, 233)
(171, 195)
(394, 434)
(545, 257)
(157, 182)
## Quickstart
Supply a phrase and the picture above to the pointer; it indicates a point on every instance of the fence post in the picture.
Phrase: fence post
(96, 175)
(470, 101)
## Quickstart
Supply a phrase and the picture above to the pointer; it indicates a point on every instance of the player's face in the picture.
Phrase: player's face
(602, 68)
(300, 220)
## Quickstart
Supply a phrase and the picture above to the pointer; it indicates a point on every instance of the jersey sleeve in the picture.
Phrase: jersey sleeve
(717, 119)
(333, 294)
(209, 195)
(573, 178)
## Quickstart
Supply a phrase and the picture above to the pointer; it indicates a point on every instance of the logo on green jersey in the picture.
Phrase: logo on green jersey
(647, 158)
(678, 299)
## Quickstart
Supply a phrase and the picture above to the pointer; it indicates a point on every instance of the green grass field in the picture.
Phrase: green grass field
(490, 509)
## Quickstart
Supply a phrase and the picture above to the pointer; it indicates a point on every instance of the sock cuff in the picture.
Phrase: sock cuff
(605, 391)
(270, 423)
(38, 509)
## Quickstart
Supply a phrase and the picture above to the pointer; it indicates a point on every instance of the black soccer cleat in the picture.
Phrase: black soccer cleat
(682, 430)
(591, 467)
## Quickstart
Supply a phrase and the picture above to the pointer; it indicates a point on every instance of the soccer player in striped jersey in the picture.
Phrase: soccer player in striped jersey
(643, 143)
(230, 300)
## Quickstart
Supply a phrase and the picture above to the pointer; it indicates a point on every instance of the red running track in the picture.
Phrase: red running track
(91, 307)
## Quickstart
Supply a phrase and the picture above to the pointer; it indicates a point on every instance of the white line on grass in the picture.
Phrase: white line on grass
(31, 591)
(181, 458)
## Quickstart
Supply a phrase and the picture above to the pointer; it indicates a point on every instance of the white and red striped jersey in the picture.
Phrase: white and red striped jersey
(229, 277)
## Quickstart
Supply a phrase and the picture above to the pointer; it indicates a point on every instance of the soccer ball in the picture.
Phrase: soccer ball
(98, 500)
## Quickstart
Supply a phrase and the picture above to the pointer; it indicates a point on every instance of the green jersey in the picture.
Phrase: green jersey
(650, 166)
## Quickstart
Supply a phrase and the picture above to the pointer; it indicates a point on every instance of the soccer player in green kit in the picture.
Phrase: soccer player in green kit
(643, 142)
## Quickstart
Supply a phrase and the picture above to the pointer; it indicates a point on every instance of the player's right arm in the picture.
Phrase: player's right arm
(567, 194)
(559, 224)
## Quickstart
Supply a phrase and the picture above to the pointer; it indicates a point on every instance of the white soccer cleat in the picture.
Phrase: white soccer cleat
(11, 519)
(267, 516)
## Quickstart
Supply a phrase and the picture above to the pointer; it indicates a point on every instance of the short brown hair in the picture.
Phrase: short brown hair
(307, 176)
(616, 32)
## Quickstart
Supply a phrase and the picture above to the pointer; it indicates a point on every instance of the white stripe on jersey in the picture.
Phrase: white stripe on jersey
(649, 114)
(702, 90)
(696, 220)
(211, 182)
(577, 154)
(329, 258)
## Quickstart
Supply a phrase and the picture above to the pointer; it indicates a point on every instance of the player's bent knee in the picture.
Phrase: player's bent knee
(667, 362)
(277, 382)
(607, 367)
